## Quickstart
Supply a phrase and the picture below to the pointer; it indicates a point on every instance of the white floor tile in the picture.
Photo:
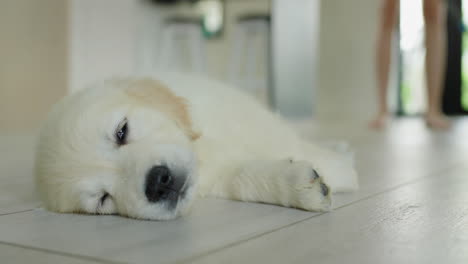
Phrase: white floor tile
(212, 224)
(423, 222)
(14, 254)
(16, 174)
(407, 155)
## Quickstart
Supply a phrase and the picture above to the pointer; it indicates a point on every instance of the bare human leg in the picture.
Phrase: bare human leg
(435, 12)
(388, 19)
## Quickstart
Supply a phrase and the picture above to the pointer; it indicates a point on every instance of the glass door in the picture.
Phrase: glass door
(412, 88)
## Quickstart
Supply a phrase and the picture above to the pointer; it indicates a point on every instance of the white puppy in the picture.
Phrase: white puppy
(144, 149)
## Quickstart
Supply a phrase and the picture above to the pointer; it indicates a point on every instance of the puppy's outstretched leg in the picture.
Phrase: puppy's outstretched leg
(285, 182)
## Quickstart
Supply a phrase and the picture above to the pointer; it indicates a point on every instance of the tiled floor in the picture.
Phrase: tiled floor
(412, 207)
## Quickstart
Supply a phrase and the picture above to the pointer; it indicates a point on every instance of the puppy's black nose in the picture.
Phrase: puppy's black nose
(159, 184)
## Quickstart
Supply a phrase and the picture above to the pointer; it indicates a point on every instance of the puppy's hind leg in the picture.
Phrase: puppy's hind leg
(284, 182)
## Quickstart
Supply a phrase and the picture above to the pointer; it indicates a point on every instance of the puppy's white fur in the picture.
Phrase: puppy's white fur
(226, 144)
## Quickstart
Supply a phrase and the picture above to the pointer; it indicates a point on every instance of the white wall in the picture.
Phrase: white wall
(121, 37)
(347, 53)
(103, 35)
(33, 61)
(102, 39)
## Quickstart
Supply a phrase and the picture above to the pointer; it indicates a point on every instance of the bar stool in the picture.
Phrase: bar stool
(182, 45)
(250, 58)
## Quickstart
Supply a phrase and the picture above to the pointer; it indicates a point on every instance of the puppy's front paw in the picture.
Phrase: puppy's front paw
(309, 191)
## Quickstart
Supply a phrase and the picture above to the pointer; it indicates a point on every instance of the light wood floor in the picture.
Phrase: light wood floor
(412, 207)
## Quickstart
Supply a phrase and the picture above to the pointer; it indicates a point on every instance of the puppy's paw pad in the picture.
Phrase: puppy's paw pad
(310, 191)
(315, 197)
(314, 175)
(324, 188)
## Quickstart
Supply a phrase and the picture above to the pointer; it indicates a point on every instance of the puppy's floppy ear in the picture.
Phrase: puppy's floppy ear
(157, 95)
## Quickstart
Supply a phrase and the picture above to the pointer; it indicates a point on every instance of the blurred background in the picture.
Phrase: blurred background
(302, 58)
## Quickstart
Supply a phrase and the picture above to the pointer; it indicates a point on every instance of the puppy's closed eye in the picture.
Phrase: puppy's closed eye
(121, 134)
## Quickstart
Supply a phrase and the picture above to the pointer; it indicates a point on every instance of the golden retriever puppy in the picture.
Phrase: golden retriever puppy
(145, 148)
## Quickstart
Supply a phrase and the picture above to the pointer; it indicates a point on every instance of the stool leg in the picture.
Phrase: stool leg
(198, 52)
(179, 48)
(165, 52)
(251, 65)
(236, 56)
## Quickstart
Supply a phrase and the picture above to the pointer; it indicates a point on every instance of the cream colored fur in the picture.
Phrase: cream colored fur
(228, 145)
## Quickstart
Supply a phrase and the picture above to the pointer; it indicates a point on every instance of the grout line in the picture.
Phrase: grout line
(64, 254)
(456, 165)
(18, 212)
(238, 242)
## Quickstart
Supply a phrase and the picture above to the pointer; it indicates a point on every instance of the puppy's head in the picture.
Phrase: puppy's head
(122, 147)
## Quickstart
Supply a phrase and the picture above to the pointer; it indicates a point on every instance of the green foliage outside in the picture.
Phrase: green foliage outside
(464, 92)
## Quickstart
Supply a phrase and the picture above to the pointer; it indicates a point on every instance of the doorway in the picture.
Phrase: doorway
(412, 87)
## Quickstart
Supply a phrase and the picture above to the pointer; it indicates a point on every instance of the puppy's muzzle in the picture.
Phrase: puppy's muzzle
(162, 185)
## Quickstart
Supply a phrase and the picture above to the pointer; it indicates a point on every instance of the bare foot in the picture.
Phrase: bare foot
(437, 121)
(379, 122)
